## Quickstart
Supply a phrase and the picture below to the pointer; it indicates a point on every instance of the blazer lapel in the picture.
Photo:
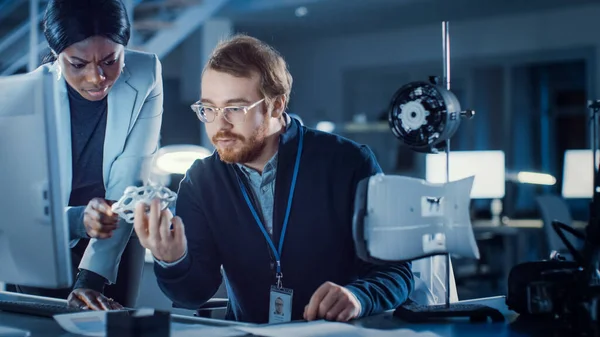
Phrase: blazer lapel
(121, 104)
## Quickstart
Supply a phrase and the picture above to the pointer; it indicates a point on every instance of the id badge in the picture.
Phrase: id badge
(280, 305)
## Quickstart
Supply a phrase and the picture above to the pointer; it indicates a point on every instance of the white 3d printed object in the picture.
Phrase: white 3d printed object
(125, 207)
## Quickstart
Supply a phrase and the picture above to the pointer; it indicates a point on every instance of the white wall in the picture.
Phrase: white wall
(318, 65)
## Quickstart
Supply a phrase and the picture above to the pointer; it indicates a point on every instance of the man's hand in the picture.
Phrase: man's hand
(99, 219)
(90, 299)
(332, 302)
(166, 243)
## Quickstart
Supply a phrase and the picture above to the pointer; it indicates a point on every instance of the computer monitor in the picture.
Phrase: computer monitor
(34, 235)
(487, 166)
(578, 174)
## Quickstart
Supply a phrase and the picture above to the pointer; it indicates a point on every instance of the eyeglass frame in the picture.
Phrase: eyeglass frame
(196, 108)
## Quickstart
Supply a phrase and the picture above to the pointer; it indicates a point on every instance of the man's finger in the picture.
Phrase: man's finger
(90, 300)
(165, 225)
(327, 303)
(346, 314)
(315, 301)
(140, 224)
(154, 221)
(340, 304)
(178, 229)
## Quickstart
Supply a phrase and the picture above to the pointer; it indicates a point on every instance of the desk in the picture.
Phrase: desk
(383, 322)
(42, 326)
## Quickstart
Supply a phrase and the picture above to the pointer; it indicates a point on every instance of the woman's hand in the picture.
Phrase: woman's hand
(89, 299)
(99, 219)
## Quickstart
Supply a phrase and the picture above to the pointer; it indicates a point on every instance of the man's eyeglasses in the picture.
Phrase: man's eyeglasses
(232, 114)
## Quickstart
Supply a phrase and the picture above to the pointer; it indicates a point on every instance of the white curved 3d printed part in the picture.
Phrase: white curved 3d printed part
(125, 207)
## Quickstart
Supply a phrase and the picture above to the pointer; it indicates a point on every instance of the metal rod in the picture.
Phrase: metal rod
(446, 51)
(33, 35)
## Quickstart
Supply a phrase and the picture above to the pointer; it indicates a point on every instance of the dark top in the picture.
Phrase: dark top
(88, 126)
(318, 245)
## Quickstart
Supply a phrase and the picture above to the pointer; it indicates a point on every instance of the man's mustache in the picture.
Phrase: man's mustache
(226, 135)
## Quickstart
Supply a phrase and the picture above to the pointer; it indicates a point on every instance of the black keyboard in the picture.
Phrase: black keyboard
(413, 312)
(36, 309)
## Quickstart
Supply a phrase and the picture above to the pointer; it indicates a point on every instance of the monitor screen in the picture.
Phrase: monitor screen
(578, 174)
(487, 166)
(34, 233)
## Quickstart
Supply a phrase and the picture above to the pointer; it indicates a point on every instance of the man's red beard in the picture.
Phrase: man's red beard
(245, 150)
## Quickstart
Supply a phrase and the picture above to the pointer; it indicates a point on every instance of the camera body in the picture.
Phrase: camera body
(543, 288)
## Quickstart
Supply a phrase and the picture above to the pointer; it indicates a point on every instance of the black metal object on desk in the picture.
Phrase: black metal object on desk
(415, 313)
(135, 323)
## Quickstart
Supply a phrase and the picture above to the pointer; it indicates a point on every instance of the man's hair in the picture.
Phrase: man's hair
(241, 54)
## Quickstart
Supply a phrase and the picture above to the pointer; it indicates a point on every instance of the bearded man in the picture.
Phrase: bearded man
(270, 212)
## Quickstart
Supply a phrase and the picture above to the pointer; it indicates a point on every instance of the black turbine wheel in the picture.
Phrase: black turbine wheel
(423, 116)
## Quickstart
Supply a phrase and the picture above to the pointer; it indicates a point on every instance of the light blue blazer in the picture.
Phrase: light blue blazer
(135, 107)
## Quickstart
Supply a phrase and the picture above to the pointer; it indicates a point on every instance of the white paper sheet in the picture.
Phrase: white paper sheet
(195, 330)
(93, 323)
(87, 323)
(329, 329)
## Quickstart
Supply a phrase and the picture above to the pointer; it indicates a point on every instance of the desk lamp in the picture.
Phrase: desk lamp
(177, 159)
(174, 161)
(423, 116)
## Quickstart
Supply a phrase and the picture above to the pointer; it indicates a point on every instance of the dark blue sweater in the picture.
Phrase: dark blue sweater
(318, 245)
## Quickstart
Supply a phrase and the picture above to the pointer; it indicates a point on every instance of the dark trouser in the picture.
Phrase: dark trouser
(125, 290)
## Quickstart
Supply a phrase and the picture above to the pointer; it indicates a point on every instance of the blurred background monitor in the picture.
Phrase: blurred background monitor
(578, 174)
(488, 167)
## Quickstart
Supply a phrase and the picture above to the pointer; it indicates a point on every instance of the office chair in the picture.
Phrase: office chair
(554, 208)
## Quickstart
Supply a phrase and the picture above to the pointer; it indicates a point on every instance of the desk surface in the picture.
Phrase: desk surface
(39, 326)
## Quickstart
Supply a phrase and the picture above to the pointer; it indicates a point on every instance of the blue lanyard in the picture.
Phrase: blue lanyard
(276, 252)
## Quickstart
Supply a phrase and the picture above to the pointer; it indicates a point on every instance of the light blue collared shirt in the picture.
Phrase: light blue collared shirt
(263, 189)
